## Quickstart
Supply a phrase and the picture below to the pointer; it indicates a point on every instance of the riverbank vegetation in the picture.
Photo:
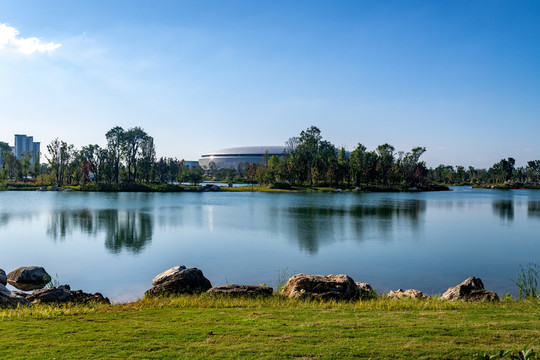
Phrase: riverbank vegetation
(194, 326)
(129, 161)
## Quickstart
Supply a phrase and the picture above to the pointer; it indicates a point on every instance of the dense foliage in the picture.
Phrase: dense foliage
(130, 158)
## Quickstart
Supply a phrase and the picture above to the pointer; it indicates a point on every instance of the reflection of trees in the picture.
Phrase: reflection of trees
(533, 209)
(4, 219)
(315, 225)
(504, 208)
(129, 229)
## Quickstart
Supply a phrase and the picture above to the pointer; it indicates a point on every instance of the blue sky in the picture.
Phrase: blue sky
(461, 78)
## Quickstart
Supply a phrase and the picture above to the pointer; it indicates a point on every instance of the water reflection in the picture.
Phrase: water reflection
(504, 208)
(124, 229)
(533, 209)
(315, 226)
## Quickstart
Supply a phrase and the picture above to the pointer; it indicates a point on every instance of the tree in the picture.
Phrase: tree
(308, 149)
(193, 174)
(133, 139)
(357, 164)
(147, 159)
(60, 154)
(413, 171)
(386, 161)
(115, 142)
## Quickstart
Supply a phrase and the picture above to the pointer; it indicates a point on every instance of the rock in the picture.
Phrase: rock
(338, 190)
(409, 293)
(187, 281)
(54, 188)
(42, 188)
(3, 277)
(242, 290)
(340, 287)
(358, 188)
(365, 290)
(9, 299)
(67, 190)
(167, 274)
(29, 278)
(64, 294)
(470, 289)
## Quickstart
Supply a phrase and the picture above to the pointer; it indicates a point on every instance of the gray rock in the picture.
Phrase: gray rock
(3, 277)
(167, 274)
(340, 287)
(187, 281)
(242, 290)
(54, 188)
(9, 299)
(365, 290)
(407, 294)
(64, 294)
(470, 289)
(29, 278)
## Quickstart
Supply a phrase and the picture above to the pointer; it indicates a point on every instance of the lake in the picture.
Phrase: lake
(115, 243)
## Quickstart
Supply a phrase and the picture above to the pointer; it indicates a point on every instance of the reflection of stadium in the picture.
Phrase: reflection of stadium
(230, 158)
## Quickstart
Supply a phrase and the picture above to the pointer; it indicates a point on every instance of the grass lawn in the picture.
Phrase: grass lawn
(215, 327)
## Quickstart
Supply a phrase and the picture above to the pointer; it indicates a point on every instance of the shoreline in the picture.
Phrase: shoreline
(169, 188)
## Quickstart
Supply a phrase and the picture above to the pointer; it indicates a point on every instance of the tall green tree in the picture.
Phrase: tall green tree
(386, 161)
(115, 143)
(133, 139)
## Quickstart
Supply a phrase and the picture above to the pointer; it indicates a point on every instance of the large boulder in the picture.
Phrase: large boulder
(242, 290)
(9, 299)
(29, 278)
(3, 277)
(470, 289)
(187, 281)
(339, 287)
(167, 274)
(64, 294)
(407, 294)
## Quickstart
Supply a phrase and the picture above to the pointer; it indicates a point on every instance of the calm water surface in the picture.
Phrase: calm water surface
(116, 243)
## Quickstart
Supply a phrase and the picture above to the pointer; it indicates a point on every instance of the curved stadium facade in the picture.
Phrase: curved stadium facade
(231, 157)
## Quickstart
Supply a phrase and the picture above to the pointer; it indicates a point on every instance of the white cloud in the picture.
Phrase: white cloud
(10, 40)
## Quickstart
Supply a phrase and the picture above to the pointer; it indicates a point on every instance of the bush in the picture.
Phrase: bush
(280, 185)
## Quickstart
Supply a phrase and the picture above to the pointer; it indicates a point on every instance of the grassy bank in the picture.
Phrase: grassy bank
(217, 327)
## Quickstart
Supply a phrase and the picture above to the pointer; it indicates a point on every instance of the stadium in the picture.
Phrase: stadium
(231, 157)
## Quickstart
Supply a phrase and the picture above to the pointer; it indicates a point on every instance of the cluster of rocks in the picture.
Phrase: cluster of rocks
(181, 280)
(471, 289)
(35, 278)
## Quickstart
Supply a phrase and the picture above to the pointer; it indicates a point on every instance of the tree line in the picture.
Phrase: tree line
(308, 159)
(130, 157)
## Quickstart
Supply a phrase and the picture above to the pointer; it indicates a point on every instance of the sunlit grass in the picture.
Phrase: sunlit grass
(219, 327)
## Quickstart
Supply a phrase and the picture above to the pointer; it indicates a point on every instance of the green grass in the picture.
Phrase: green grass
(219, 327)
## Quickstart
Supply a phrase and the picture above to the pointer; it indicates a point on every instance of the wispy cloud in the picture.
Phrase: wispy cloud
(10, 40)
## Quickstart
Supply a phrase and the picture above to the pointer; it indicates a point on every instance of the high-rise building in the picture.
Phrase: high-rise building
(25, 145)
